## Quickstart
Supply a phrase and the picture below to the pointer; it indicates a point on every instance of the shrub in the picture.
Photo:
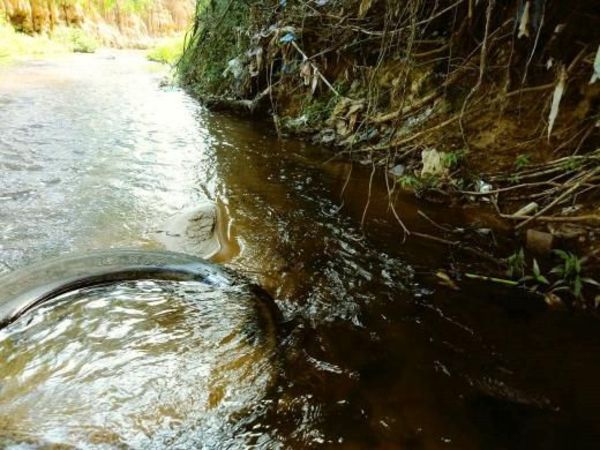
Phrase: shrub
(167, 51)
(75, 39)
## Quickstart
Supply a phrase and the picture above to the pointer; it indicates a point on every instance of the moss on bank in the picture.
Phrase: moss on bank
(218, 37)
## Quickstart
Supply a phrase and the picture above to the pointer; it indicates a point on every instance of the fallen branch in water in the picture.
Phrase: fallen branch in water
(561, 197)
(509, 188)
(564, 219)
(474, 276)
(240, 105)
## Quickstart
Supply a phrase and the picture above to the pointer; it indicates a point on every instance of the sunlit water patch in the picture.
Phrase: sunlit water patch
(144, 364)
(93, 154)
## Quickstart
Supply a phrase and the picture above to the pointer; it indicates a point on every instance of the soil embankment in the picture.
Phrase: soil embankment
(118, 24)
(496, 103)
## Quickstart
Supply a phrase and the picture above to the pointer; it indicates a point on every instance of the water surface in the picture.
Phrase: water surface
(147, 364)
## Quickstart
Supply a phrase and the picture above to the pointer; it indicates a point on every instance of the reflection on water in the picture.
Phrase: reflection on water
(140, 364)
(376, 354)
(93, 155)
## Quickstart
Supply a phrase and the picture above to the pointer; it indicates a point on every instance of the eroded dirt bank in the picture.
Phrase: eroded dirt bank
(121, 23)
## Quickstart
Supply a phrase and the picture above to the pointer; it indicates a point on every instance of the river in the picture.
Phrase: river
(374, 352)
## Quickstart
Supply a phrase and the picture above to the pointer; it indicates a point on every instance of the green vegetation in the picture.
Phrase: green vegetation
(565, 278)
(570, 274)
(168, 50)
(214, 46)
(318, 110)
(516, 264)
(74, 39)
(522, 161)
(14, 45)
(453, 159)
(536, 279)
(62, 40)
(419, 185)
(409, 182)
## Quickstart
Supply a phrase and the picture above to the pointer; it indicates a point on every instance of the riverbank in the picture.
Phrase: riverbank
(30, 29)
(462, 103)
(15, 45)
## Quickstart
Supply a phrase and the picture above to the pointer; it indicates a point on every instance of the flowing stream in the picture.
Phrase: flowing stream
(373, 352)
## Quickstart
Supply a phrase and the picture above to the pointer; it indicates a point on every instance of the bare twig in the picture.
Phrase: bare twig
(565, 194)
(316, 69)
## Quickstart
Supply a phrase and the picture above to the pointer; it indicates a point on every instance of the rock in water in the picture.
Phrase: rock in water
(539, 242)
(193, 231)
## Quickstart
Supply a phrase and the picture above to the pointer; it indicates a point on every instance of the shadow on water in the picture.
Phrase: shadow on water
(377, 354)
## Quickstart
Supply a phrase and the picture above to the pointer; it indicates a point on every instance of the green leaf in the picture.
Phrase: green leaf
(561, 253)
(591, 281)
(577, 264)
(536, 268)
(543, 279)
(525, 279)
(568, 267)
(577, 286)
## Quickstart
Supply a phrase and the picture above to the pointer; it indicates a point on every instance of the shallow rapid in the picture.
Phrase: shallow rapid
(374, 352)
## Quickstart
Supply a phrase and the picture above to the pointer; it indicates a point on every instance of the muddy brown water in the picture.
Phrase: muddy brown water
(374, 353)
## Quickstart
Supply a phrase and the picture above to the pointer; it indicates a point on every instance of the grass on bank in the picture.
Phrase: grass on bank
(167, 50)
(75, 39)
(14, 45)
(62, 40)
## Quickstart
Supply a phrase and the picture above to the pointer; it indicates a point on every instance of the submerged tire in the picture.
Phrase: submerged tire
(26, 288)
(138, 349)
